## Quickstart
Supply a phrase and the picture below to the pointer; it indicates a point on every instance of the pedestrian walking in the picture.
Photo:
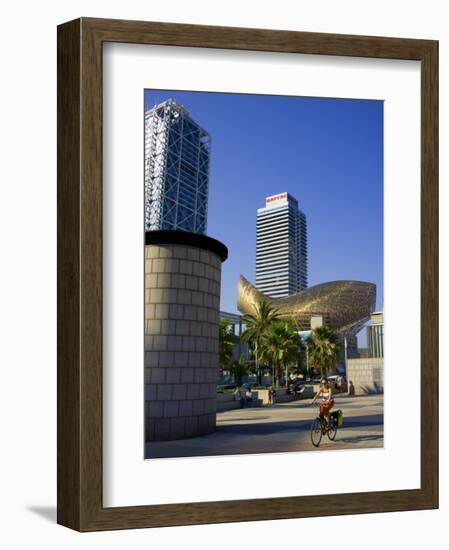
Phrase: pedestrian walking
(249, 397)
(239, 397)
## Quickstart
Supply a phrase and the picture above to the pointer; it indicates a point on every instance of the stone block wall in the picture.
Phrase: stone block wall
(182, 300)
(365, 376)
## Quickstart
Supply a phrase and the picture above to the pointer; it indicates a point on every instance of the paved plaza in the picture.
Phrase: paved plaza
(279, 428)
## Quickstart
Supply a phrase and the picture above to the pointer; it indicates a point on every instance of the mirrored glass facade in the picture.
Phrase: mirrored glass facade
(177, 155)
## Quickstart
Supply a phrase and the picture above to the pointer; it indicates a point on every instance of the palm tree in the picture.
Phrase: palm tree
(226, 342)
(238, 369)
(265, 314)
(281, 346)
(323, 349)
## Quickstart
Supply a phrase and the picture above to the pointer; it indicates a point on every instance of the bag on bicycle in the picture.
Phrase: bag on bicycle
(337, 418)
(340, 418)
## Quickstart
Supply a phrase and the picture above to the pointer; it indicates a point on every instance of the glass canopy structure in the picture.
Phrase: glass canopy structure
(177, 154)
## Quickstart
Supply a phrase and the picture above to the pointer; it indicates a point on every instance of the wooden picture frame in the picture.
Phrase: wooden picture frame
(80, 504)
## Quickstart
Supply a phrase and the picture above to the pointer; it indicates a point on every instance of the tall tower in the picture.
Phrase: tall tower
(177, 153)
(281, 247)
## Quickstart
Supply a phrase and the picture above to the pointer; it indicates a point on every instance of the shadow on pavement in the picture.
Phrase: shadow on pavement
(361, 438)
(343, 406)
(360, 421)
(236, 439)
(267, 428)
(232, 419)
(264, 428)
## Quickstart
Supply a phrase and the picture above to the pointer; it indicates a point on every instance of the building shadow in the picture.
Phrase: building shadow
(232, 439)
(361, 438)
(243, 419)
(360, 421)
(270, 428)
(263, 428)
(375, 389)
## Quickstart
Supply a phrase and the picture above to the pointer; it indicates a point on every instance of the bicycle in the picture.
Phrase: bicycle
(321, 427)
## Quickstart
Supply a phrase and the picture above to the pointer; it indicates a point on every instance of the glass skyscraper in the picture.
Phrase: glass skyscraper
(177, 153)
(281, 247)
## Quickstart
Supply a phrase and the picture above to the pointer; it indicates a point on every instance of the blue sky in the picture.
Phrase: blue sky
(328, 153)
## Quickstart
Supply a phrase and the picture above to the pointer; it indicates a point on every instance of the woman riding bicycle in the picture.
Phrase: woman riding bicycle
(325, 391)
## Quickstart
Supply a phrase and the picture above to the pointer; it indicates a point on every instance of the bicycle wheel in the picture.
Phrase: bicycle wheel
(332, 431)
(316, 432)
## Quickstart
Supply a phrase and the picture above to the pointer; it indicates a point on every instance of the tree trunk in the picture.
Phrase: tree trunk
(278, 373)
(259, 375)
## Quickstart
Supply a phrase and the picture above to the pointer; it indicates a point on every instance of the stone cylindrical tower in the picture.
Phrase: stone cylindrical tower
(182, 302)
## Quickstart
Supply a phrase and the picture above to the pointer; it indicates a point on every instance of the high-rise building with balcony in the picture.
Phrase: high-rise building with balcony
(281, 247)
(177, 154)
